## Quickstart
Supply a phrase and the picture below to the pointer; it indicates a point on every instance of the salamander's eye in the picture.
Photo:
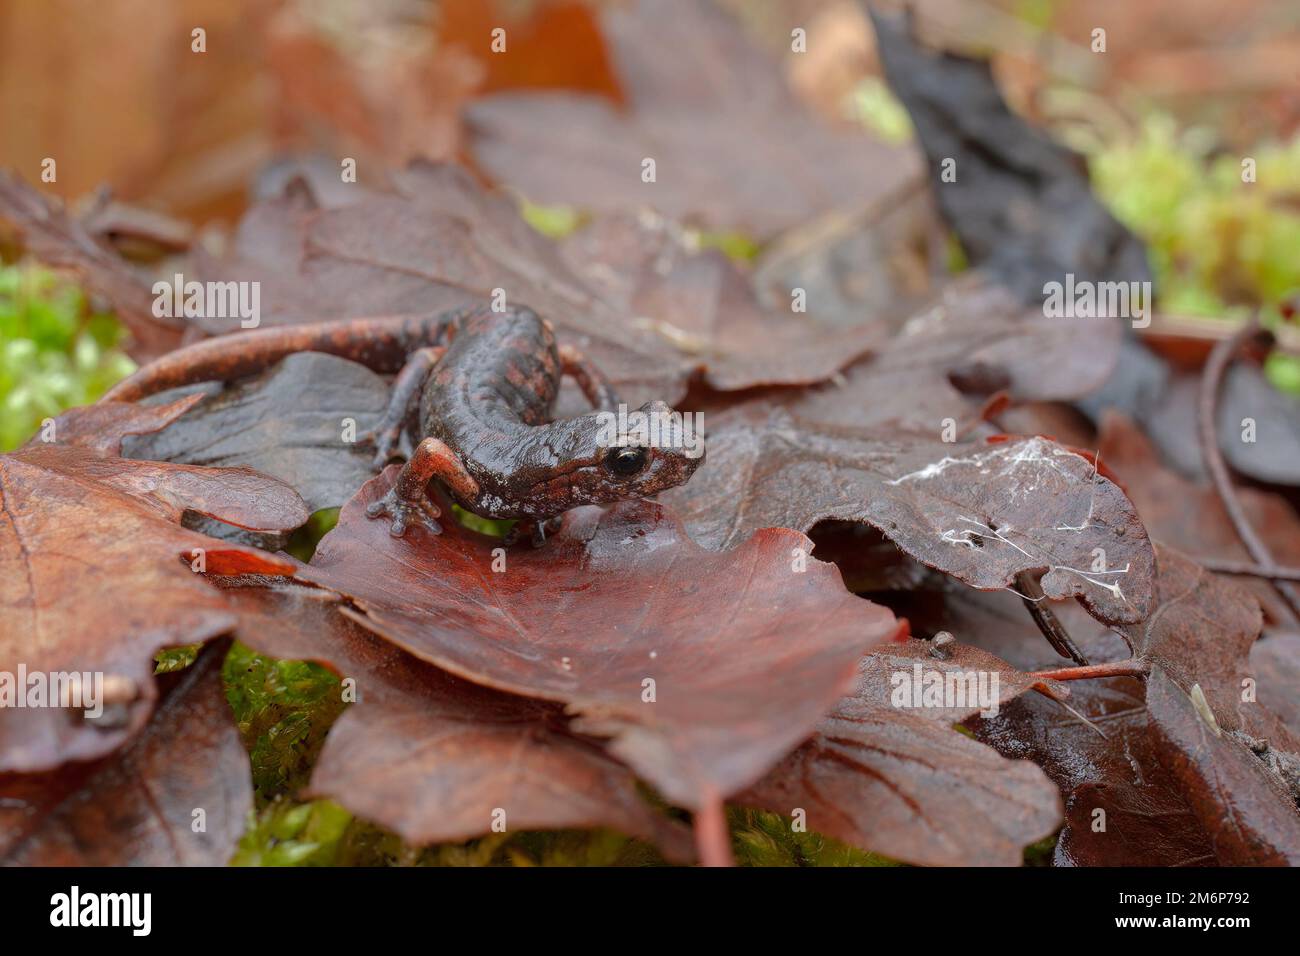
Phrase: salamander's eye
(626, 461)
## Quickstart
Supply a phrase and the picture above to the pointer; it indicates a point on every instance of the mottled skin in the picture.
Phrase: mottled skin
(486, 384)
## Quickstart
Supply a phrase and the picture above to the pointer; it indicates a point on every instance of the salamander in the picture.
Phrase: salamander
(480, 387)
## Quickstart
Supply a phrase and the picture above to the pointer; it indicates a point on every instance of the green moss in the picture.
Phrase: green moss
(874, 105)
(321, 833)
(759, 838)
(285, 833)
(577, 848)
(1037, 13)
(54, 354)
(1283, 371)
(302, 543)
(283, 710)
(1219, 246)
(555, 222)
(171, 659)
(734, 245)
(1040, 853)
(488, 526)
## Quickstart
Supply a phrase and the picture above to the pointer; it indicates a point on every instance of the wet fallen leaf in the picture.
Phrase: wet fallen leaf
(178, 795)
(164, 124)
(1128, 801)
(1190, 516)
(1251, 820)
(1110, 765)
(1275, 661)
(437, 759)
(983, 513)
(83, 534)
(1121, 807)
(944, 361)
(553, 45)
(703, 304)
(372, 84)
(1200, 635)
(291, 423)
(1259, 427)
(704, 668)
(442, 241)
(903, 782)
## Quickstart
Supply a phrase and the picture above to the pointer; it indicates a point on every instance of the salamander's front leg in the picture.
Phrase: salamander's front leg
(407, 501)
(590, 379)
(387, 433)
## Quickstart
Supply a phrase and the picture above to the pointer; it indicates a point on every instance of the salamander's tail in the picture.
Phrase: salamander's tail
(381, 344)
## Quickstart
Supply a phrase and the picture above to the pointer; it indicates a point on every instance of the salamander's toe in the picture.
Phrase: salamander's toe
(423, 512)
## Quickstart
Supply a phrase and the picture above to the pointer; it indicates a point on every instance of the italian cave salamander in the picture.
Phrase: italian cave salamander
(481, 387)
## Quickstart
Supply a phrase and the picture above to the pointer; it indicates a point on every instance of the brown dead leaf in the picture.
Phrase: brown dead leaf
(700, 302)
(1250, 818)
(1157, 808)
(734, 149)
(431, 756)
(83, 535)
(704, 668)
(923, 375)
(983, 513)
(442, 241)
(140, 806)
(1191, 517)
(1275, 661)
(1020, 203)
(59, 239)
(283, 423)
(903, 782)
(1201, 633)
(1148, 821)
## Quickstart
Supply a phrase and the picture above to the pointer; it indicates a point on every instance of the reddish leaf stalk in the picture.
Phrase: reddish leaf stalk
(1132, 667)
(712, 836)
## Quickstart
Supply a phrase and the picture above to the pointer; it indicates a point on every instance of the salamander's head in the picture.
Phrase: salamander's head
(635, 454)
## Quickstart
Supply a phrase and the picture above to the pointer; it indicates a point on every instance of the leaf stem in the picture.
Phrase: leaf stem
(1133, 667)
(1031, 592)
(1248, 569)
(1221, 357)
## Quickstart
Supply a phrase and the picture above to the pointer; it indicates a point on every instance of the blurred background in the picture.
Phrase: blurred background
(158, 146)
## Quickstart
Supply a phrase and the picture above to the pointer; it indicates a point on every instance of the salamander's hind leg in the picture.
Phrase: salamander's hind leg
(387, 433)
(407, 501)
(590, 379)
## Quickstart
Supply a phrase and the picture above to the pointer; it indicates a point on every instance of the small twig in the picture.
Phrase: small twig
(1132, 667)
(1211, 382)
(1031, 593)
(1248, 569)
